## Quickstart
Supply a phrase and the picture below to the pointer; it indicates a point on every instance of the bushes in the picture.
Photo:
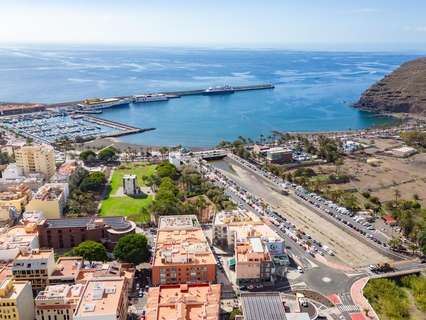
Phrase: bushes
(389, 300)
(417, 285)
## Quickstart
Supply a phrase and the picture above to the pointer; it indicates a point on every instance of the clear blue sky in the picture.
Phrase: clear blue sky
(329, 24)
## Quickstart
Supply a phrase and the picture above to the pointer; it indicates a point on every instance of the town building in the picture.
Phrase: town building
(12, 240)
(16, 300)
(182, 253)
(12, 171)
(67, 270)
(65, 171)
(279, 155)
(176, 159)
(69, 232)
(103, 298)
(57, 302)
(8, 216)
(50, 200)
(253, 263)
(17, 196)
(227, 225)
(260, 149)
(130, 185)
(403, 152)
(36, 158)
(183, 302)
(35, 266)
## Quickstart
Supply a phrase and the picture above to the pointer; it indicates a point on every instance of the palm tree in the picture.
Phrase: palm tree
(163, 151)
(394, 243)
(413, 247)
(397, 195)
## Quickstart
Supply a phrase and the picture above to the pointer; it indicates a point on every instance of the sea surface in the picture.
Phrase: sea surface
(313, 90)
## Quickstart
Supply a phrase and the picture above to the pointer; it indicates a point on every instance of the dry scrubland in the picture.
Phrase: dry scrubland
(406, 175)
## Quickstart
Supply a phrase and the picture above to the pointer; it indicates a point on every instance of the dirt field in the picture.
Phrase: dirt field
(347, 248)
(406, 175)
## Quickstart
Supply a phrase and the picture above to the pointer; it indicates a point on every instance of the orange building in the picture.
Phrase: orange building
(182, 254)
(184, 302)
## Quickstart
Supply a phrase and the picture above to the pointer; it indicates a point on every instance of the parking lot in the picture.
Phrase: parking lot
(336, 240)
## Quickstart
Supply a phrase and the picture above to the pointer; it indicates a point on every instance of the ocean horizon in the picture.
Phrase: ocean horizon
(313, 91)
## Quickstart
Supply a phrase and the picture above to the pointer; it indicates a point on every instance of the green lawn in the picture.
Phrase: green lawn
(127, 206)
(139, 169)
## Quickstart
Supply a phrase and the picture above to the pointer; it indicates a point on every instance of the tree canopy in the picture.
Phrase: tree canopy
(93, 182)
(107, 154)
(88, 156)
(90, 250)
(132, 248)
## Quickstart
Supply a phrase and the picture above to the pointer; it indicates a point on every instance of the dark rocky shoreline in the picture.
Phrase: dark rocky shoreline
(404, 90)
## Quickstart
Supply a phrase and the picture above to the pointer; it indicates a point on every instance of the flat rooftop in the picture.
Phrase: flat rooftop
(252, 250)
(184, 302)
(178, 222)
(9, 293)
(182, 247)
(100, 297)
(262, 306)
(35, 255)
(65, 293)
(67, 267)
(118, 223)
(243, 232)
(235, 217)
(50, 191)
(19, 236)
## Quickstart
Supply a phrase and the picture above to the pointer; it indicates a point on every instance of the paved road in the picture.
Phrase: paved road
(317, 276)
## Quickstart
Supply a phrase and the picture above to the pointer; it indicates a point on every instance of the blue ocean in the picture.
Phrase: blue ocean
(313, 90)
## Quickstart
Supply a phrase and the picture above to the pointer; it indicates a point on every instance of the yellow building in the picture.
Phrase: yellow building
(16, 300)
(50, 200)
(16, 197)
(36, 158)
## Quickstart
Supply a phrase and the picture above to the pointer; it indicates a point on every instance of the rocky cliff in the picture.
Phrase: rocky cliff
(404, 90)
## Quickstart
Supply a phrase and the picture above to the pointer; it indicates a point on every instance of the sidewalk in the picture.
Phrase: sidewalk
(359, 299)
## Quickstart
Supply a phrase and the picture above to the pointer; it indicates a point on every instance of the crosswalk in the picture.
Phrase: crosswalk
(348, 308)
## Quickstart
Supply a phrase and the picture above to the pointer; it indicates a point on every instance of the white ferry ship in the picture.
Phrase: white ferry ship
(150, 98)
(98, 103)
(219, 90)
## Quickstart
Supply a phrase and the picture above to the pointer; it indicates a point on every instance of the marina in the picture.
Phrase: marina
(50, 126)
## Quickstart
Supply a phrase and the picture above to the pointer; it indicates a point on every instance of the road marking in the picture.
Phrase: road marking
(348, 308)
(326, 279)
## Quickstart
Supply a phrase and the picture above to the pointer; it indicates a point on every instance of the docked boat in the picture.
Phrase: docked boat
(98, 104)
(150, 98)
(219, 90)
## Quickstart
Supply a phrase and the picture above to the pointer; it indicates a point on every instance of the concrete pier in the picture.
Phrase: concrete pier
(174, 94)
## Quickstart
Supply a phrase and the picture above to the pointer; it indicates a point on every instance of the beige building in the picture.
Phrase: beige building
(12, 240)
(16, 300)
(58, 302)
(16, 196)
(50, 200)
(35, 266)
(253, 262)
(103, 298)
(36, 158)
